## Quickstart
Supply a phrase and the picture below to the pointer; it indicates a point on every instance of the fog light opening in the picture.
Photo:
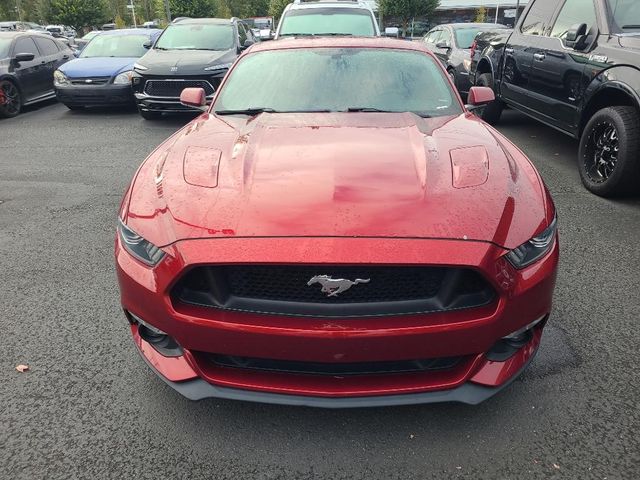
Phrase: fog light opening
(508, 346)
(159, 340)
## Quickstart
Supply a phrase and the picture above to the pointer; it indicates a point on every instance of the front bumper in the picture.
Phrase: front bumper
(95, 95)
(523, 296)
(148, 103)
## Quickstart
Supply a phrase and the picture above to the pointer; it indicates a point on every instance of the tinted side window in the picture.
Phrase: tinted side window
(445, 37)
(539, 16)
(433, 36)
(242, 34)
(26, 45)
(46, 46)
(574, 12)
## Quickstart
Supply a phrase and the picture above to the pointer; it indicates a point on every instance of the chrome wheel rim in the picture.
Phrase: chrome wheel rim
(11, 96)
(602, 153)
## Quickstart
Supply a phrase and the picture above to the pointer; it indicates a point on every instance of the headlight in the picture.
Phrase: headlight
(138, 247)
(534, 249)
(60, 78)
(137, 66)
(123, 78)
(220, 66)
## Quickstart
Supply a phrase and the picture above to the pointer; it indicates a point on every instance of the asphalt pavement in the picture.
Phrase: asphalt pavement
(90, 408)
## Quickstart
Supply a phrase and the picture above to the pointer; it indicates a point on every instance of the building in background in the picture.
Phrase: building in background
(464, 11)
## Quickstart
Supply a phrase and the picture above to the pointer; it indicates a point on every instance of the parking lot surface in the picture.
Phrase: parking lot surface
(90, 408)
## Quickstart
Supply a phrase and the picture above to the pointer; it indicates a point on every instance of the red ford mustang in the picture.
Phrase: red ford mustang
(337, 230)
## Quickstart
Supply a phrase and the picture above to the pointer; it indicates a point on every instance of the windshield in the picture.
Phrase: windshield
(5, 44)
(337, 21)
(626, 15)
(130, 46)
(465, 37)
(196, 37)
(339, 79)
(90, 35)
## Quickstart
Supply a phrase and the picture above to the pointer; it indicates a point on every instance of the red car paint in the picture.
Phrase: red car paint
(276, 189)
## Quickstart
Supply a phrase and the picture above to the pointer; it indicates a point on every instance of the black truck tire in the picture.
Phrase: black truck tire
(493, 111)
(609, 148)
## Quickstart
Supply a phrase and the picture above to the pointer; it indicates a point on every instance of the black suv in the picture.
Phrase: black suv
(574, 65)
(191, 52)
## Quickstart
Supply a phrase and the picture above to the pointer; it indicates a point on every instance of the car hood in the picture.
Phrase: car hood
(97, 66)
(184, 62)
(338, 175)
(630, 40)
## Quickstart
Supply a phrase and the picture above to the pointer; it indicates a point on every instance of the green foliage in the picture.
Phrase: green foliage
(481, 15)
(405, 10)
(78, 13)
(248, 8)
(193, 8)
(276, 7)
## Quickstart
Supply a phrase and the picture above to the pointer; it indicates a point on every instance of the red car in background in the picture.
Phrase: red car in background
(337, 230)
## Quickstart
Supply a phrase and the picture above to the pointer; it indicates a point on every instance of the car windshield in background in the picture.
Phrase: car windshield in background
(465, 37)
(131, 46)
(90, 35)
(626, 15)
(338, 80)
(196, 37)
(318, 21)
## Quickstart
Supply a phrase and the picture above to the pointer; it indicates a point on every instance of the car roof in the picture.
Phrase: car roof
(200, 21)
(340, 42)
(473, 25)
(129, 31)
(353, 4)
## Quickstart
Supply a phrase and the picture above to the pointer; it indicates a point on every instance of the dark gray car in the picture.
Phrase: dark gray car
(451, 43)
(27, 63)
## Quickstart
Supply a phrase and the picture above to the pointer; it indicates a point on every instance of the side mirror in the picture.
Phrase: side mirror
(479, 96)
(194, 97)
(24, 57)
(443, 44)
(148, 44)
(392, 32)
(576, 36)
(247, 43)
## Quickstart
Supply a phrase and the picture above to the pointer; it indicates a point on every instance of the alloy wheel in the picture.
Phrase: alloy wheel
(602, 155)
(12, 98)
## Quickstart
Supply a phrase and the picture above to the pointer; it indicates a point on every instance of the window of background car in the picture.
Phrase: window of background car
(536, 21)
(626, 15)
(445, 37)
(125, 46)
(574, 12)
(315, 21)
(46, 46)
(196, 37)
(26, 45)
(433, 36)
(336, 79)
(465, 37)
(5, 45)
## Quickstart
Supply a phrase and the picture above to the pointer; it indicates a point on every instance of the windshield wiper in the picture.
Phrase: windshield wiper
(367, 109)
(630, 26)
(246, 111)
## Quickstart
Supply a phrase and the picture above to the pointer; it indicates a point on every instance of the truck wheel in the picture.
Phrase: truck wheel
(11, 101)
(492, 112)
(609, 148)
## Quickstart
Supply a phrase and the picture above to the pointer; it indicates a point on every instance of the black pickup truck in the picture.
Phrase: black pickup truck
(574, 65)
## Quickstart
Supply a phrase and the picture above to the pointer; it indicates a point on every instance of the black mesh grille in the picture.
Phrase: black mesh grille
(333, 369)
(290, 284)
(173, 88)
(334, 291)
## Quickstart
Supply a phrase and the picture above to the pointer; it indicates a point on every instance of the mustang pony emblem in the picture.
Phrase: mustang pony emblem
(333, 286)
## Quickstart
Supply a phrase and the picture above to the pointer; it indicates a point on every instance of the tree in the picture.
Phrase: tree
(276, 7)
(481, 15)
(193, 8)
(406, 10)
(78, 13)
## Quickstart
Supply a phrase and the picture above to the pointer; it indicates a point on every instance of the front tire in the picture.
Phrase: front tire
(493, 111)
(12, 99)
(609, 147)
